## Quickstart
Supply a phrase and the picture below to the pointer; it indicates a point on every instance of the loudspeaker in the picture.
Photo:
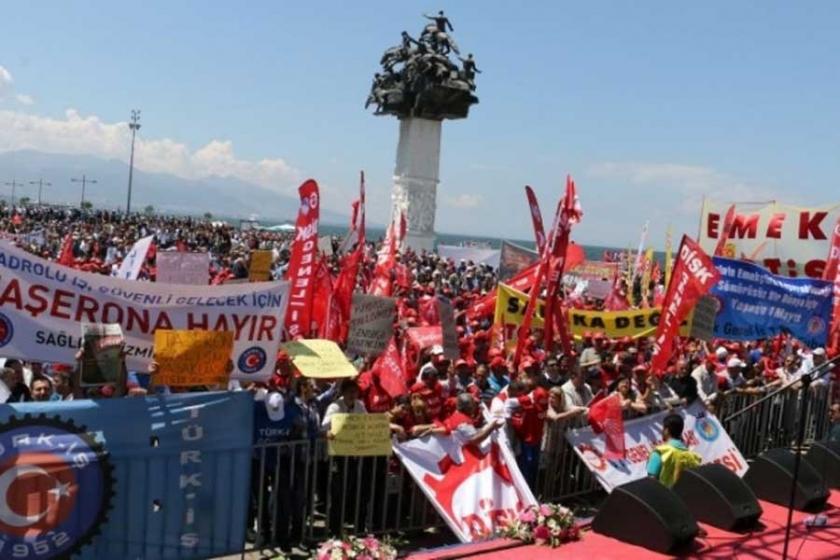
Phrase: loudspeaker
(647, 514)
(771, 475)
(825, 458)
(717, 496)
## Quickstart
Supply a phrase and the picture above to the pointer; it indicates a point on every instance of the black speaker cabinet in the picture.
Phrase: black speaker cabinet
(647, 514)
(825, 458)
(771, 475)
(717, 496)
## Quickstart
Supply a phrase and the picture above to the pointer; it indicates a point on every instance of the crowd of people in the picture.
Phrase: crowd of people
(545, 390)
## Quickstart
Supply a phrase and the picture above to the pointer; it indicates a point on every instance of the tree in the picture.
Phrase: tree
(208, 216)
(149, 209)
(25, 200)
(87, 205)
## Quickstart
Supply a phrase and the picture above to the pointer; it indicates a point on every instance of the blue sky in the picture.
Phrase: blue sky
(649, 105)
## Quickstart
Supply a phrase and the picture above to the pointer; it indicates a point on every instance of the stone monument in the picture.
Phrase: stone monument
(421, 85)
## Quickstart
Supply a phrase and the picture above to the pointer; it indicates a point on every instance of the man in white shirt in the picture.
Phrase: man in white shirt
(576, 392)
(707, 383)
(348, 403)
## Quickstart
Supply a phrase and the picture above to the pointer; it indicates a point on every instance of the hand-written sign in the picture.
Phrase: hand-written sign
(192, 357)
(360, 435)
(448, 330)
(703, 318)
(320, 359)
(371, 324)
(260, 266)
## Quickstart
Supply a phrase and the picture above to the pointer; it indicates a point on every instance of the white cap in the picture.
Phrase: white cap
(819, 351)
(436, 349)
(274, 407)
(721, 352)
(734, 362)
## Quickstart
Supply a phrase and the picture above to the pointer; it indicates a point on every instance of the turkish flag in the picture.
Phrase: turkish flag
(605, 417)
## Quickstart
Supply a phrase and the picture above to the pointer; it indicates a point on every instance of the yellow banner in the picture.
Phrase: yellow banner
(360, 435)
(188, 358)
(510, 311)
(260, 268)
(320, 359)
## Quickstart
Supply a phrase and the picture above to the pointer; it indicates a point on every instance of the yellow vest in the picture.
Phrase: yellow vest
(674, 462)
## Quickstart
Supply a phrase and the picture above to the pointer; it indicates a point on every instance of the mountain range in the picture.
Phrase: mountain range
(225, 197)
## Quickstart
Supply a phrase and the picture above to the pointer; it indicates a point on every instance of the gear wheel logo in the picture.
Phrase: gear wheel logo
(56, 487)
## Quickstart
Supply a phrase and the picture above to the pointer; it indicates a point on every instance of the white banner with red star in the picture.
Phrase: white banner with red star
(473, 487)
(702, 434)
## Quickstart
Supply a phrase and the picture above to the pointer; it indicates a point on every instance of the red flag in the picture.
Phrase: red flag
(832, 274)
(725, 231)
(428, 311)
(536, 218)
(65, 256)
(486, 305)
(575, 255)
(391, 372)
(570, 214)
(322, 302)
(605, 417)
(301, 272)
(345, 284)
(694, 274)
(385, 261)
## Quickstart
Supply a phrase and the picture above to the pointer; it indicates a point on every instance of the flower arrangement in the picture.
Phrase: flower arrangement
(545, 524)
(356, 548)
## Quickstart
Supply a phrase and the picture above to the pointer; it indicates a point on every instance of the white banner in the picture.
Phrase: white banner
(175, 267)
(43, 303)
(703, 434)
(478, 255)
(471, 487)
(785, 239)
(133, 261)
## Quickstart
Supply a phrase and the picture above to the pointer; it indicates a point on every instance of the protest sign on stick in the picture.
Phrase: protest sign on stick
(192, 357)
(175, 267)
(371, 324)
(447, 325)
(360, 435)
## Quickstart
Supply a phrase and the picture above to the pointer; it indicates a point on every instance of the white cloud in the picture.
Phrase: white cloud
(692, 182)
(24, 99)
(463, 201)
(77, 134)
(6, 82)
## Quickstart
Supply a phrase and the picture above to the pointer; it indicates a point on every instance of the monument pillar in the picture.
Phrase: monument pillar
(416, 177)
(422, 82)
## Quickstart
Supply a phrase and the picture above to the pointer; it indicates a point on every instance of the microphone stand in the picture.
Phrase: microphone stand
(805, 394)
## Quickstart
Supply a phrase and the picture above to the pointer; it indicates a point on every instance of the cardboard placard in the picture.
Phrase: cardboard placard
(703, 318)
(360, 435)
(260, 266)
(448, 331)
(371, 324)
(188, 358)
(322, 359)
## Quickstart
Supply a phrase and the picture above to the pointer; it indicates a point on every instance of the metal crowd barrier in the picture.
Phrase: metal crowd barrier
(300, 494)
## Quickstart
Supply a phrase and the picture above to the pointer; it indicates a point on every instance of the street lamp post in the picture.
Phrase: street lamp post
(40, 183)
(84, 181)
(13, 184)
(134, 125)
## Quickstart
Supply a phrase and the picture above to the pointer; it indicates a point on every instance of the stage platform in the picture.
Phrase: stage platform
(764, 543)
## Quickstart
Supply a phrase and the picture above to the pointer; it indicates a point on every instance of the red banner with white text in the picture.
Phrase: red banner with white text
(302, 263)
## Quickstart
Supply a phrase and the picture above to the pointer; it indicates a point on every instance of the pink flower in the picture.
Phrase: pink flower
(527, 516)
(545, 510)
(371, 544)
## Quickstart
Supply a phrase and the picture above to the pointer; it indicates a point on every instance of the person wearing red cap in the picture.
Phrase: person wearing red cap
(376, 398)
(430, 389)
(499, 375)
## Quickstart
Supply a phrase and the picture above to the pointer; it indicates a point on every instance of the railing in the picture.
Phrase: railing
(300, 494)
